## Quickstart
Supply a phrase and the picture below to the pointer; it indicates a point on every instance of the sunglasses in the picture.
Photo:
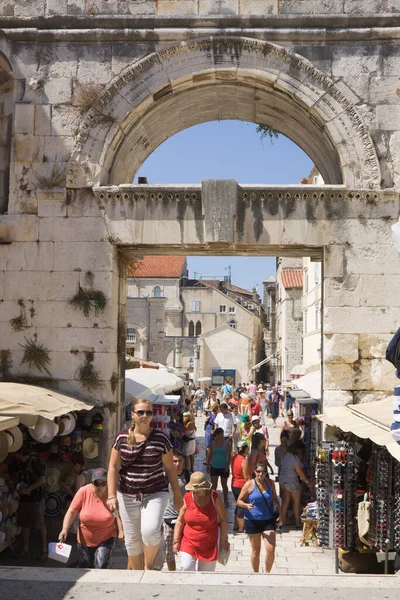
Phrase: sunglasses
(142, 413)
(261, 472)
(99, 483)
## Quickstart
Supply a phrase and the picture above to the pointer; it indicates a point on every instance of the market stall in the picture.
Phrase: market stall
(52, 426)
(358, 483)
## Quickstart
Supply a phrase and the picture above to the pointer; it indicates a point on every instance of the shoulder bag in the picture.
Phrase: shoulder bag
(275, 507)
(223, 555)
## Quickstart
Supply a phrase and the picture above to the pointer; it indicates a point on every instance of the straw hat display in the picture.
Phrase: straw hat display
(53, 479)
(15, 439)
(44, 430)
(3, 446)
(66, 424)
(90, 448)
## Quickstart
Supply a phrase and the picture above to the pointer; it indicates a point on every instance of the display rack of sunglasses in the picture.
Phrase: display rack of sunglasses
(385, 496)
(336, 472)
(396, 512)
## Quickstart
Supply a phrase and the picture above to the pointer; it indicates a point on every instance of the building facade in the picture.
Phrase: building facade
(168, 313)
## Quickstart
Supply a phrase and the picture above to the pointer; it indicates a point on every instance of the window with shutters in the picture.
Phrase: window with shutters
(195, 306)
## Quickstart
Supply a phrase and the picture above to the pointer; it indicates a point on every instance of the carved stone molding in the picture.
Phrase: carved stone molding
(113, 194)
(348, 125)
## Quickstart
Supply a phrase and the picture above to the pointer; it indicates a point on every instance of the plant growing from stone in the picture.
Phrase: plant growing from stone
(88, 375)
(36, 354)
(87, 300)
(5, 365)
(114, 382)
(55, 179)
(85, 95)
(19, 323)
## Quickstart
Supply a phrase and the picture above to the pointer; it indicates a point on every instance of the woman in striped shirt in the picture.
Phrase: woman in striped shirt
(137, 485)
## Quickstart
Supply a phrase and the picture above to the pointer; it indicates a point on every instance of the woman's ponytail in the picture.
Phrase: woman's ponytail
(131, 436)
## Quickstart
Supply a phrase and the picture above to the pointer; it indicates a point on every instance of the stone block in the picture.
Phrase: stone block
(259, 7)
(375, 374)
(383, 90)
(355, 66)
(311, 7)
(371, 259)
(387, 117)
(65, 339)
(176, 7)
(334, 261)
(76, 7)
(368, 396)
(86, 229)
(84, 256)
(218, 7)
(27, 256)
(58, 90)
(341, 348)
(56, 7)
(379, 290)
(27, 147)
(374, 346)
(63, 314)
(40, 285)
(94, 63)
(342, 291)
(360, 320)
(24, 120)
(42, 119)
(65, 120)
(338, 376)
(362, 230)
(82, 203)
(33, 8)
(361, 7)
(51, 202)
(19, 228)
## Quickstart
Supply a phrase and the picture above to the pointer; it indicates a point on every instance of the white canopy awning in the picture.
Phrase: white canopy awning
(311, 383)
(29, 402)
(147, 383)
(8, 422)
(263, 362)
(371, 420)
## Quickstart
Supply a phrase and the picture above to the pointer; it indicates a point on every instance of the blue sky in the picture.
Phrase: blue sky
(227, 150)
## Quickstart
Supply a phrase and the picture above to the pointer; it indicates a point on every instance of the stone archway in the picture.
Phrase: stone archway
(222, 78)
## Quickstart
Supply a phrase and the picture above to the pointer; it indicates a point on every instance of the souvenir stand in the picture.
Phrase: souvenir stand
(52, 426)
(348, 474)
(307, 409)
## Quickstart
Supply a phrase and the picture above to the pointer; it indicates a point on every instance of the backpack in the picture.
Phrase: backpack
(393, 350)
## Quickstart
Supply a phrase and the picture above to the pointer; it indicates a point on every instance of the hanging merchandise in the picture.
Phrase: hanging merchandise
(381, 492)
(396, 528)
(336, 472)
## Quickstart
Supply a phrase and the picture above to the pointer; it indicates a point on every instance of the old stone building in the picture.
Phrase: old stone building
(168, 315)
(89, 89)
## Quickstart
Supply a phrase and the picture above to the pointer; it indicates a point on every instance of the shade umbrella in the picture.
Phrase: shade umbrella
(204, 379)
(145, 383)
(311, 383)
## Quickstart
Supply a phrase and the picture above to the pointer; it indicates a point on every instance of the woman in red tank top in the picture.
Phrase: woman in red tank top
(196, 529)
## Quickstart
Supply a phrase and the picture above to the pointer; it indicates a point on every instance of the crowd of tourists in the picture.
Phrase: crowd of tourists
(152, 498)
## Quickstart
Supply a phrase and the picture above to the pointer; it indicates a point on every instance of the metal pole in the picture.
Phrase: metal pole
(336, 561)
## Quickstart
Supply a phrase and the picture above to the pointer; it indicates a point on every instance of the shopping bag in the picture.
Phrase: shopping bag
(59, 551)
(223, 555)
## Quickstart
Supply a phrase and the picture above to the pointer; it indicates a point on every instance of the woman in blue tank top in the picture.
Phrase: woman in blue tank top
(258, 498)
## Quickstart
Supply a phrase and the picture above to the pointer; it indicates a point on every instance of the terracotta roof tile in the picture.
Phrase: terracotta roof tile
(292, 278)
(157, 266)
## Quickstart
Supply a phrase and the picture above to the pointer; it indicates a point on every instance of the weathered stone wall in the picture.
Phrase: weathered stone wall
(93, 96)
(195, 8)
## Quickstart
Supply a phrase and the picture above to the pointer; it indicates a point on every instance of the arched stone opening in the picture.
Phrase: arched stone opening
(222, 78)
(6, 90)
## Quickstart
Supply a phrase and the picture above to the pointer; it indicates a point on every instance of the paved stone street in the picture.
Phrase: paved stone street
(290, 557)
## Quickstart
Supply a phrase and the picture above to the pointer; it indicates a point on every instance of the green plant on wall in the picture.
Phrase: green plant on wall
(5, 365)
(88, 375)
(36, 354)
(114, 382)
(19, 323)
(87, 300)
